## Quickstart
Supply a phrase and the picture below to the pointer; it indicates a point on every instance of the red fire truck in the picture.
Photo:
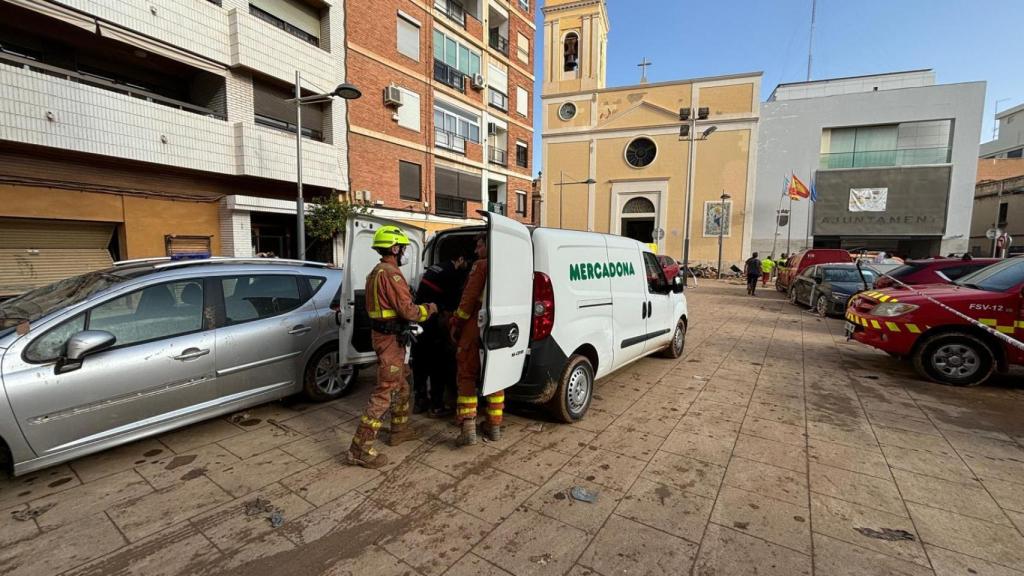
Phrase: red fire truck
(957, 334)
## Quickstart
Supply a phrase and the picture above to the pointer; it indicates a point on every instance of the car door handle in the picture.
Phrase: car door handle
(650, 309)
(300, 329)
(191, 354)
(643, 310)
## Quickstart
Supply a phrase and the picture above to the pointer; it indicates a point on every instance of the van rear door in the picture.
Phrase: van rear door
(360, 258)
(506, 326)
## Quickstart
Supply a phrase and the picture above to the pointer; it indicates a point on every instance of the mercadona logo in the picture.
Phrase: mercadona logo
(596, 270)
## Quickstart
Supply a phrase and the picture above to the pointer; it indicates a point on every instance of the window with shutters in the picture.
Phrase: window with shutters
(409, 37)
(409, 181)
(272, 109)
(522, 101)
(409, 111)
(522, 154)
(520, 202)
(523, 48)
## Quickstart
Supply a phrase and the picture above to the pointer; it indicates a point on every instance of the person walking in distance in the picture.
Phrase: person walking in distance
(752, 269)
(391, 309)
(767, 267)
(466, 334)
(433, 355)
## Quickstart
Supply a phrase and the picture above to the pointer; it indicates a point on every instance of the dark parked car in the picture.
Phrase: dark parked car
(934, 271)
(800, 261)
(828, 287)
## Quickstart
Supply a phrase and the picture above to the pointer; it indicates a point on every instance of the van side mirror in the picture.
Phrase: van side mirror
(80, 345)
(678, 285)
(817, 280)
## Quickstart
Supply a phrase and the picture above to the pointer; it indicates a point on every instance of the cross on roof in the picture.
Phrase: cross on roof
(643, 69)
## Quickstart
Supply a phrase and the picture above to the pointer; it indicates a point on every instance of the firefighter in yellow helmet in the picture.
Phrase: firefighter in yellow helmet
(390, 307)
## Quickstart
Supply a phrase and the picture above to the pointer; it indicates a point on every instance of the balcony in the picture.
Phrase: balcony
(283, 25)
(450, 206)
(497, 156)
(498, 42)
(497, 208)
(265, 152)
(449, 76)
(286, 126)
(258, 45)
(884, 158)
(453, 10)
(497, 99)
(449, 141)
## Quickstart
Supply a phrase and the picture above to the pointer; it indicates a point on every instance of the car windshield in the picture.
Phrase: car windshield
(37, 303)
(848, 275)
(997, 277)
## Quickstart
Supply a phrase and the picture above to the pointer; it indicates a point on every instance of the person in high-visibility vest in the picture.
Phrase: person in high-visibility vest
(767, 267)
(466, 333)
(390, 307)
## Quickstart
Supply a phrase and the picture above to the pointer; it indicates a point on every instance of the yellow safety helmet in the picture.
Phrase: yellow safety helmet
(388, 236)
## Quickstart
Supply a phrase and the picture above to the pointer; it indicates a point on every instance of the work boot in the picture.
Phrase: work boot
(402, 433)
(492, 432)
(367, 459)
(468, 435)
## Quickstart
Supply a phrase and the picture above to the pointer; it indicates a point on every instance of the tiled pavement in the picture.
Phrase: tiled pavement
(772, 447)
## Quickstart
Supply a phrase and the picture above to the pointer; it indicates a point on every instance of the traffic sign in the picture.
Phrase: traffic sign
(993, 233)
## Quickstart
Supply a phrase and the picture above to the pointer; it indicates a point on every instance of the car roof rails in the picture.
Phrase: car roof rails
(166, 262)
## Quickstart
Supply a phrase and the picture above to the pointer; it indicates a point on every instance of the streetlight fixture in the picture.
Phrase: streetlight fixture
(721, 229)
(688, 133)
(343, 91)
(561, 192)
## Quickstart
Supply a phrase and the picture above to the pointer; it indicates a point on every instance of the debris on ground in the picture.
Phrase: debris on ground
(583, 495)
(537, 427)
(703, 378)
(890, 534)
(258, 506)
(276, 519)
(30, 513)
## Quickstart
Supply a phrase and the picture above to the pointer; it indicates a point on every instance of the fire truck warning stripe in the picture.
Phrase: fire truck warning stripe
(892, 326)
(994, 323)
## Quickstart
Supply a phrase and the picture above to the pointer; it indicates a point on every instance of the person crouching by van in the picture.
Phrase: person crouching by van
(466, 334)
(391, 309)
(433, 355)
(752, 269)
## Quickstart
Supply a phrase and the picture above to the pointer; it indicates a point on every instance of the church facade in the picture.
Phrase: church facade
(614, 160)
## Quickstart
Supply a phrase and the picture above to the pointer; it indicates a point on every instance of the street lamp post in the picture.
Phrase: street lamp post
(343, 91)
(688, 133)
(721, 230)
(561, 192)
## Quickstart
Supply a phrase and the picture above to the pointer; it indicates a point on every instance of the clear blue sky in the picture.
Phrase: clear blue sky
(962, 40)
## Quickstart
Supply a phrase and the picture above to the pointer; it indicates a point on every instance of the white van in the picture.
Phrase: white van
(563, 308)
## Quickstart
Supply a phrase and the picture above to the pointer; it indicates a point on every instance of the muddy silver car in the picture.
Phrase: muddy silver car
(112, 356)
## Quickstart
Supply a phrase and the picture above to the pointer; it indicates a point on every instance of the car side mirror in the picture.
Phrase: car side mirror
(817, 280)
(80, 345)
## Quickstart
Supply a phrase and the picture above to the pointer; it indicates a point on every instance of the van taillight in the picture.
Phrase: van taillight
(543, 307)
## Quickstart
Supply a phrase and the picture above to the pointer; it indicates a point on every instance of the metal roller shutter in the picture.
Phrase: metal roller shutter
(34, 253)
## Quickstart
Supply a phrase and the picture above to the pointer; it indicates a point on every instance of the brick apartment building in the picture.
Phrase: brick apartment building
(135, 129)
(445, 125)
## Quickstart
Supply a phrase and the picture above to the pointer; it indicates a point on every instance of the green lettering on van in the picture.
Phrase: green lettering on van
(597, 270)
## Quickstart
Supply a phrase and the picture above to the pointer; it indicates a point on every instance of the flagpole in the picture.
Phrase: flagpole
(789, 228)
(810, 212)
(778, 215)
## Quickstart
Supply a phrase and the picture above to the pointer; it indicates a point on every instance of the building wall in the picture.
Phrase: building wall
(1011, 134)
(379, 142)
(790, 140)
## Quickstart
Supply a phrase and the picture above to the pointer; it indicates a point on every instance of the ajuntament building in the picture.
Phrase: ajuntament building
(893, 159)
(627, 141)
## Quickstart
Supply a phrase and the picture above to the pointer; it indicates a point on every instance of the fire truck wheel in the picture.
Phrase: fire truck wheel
(955, 359)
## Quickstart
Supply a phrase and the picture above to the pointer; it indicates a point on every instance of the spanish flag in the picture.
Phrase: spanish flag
(797, 189)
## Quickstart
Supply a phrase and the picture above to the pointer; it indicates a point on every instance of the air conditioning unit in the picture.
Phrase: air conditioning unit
(363, 195)
(492, 129)
(478, 82)
(392, 96)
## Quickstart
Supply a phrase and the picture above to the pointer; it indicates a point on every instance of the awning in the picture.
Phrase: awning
(35, 253)
(58, 12)
(156, 47)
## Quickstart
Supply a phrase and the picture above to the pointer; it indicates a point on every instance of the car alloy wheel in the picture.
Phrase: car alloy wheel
(821, 306)
(330, 378)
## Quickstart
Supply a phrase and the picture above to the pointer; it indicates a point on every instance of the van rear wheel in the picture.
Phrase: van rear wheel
(572, 399)
(955, 359)
(675, 347)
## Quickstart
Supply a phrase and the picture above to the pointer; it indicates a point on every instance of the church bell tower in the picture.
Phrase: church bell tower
(575, 40)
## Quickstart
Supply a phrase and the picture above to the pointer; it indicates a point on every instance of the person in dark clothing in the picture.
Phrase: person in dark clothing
(433, 355)
(752, 269)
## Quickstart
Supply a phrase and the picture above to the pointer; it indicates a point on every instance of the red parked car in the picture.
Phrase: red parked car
(934, 271)
(670, 266)
(797, 262)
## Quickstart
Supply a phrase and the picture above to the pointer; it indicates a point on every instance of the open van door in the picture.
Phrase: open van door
(360, 258)
(509, 310)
